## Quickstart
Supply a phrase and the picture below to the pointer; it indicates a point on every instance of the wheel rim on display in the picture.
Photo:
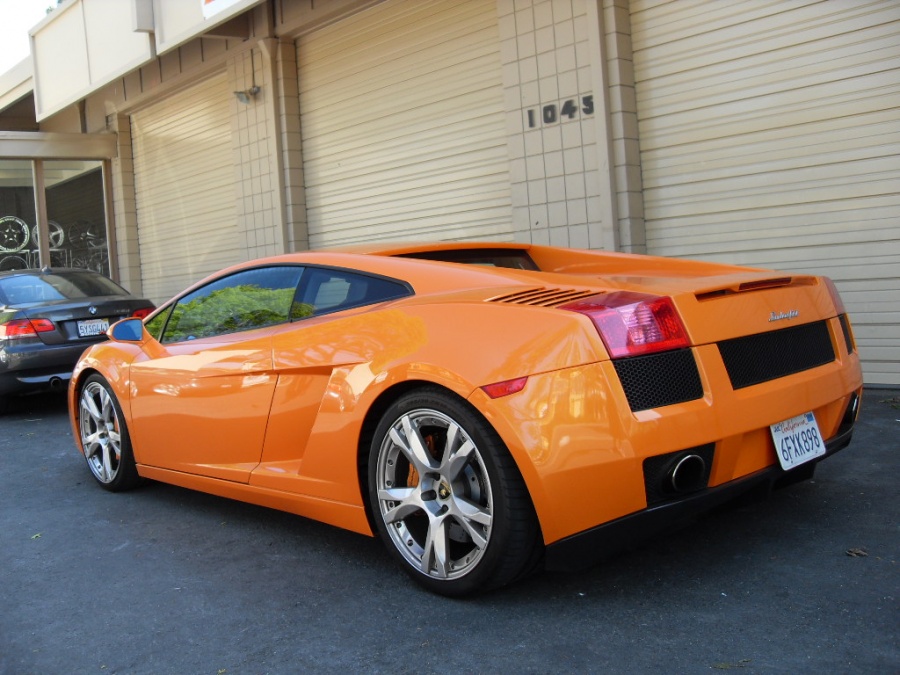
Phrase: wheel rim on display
(14, 234)
(57, 234)
(100, 432)
(13, 262)
(434, 494)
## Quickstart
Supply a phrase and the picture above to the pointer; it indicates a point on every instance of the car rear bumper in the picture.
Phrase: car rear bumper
(588, 458)
(37, 367)
(587, 548)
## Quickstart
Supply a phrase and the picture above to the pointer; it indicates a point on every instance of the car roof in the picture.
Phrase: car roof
(44, 270)
(390, 260)
(395, 248)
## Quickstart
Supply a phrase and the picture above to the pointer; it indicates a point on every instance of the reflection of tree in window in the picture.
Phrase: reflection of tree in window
(230, 309)
(268, 296)
(300, 310)
(154, 325)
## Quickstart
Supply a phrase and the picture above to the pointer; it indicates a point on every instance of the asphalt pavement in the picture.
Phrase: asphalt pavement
(162, 580)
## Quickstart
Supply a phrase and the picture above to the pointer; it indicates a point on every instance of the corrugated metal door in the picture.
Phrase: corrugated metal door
(770, 136)
(184, 185)
(403, 125)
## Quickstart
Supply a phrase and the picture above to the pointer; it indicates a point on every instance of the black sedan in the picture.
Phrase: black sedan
(48, 318)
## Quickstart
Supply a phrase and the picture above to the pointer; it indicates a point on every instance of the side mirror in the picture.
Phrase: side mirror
(128, 330)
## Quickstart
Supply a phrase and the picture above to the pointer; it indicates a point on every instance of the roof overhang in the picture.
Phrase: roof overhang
(16, 84)
(40, 145)
(178, 21)
(81, 46)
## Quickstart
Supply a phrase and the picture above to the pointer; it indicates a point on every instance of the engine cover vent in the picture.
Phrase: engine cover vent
(543, 297)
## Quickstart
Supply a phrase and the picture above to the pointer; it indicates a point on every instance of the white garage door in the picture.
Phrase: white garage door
(770, 136)
(403, 125)
(184, 184)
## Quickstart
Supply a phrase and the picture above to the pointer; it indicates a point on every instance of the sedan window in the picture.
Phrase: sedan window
(246, 300)
(25, 289)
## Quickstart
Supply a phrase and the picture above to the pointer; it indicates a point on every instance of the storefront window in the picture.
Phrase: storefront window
(76, 220)
(17, 213)
(75, 214)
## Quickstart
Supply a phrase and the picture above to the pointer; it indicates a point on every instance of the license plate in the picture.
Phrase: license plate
(797, 440)
(92, 327)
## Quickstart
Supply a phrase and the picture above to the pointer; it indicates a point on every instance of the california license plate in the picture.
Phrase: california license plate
(797, 440)
(92, 327)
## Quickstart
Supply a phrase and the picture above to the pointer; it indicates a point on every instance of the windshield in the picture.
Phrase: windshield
(25, 289)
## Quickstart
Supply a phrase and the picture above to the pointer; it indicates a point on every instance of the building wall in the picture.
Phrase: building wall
(256, 144)
(623, 134)
(124, 214)
(553, 104)
(580, 175)
(770, 137)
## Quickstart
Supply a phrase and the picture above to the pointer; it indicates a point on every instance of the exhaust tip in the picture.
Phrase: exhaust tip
(853, 408)
(688, 474)
(677, 474)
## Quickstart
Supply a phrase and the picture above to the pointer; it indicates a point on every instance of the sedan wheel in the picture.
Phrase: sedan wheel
(104, 436)
(448, 498)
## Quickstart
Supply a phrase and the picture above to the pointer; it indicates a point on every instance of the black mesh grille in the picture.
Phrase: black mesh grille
(660, 379)
(768, 356)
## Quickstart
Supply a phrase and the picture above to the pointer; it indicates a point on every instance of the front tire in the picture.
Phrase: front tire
(104, 436)
(447, 497)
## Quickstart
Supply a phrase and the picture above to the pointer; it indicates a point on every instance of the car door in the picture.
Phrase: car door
(202, 390)
(331, 337)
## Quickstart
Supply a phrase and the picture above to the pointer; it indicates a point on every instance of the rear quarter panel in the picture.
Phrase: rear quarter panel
(331, 373)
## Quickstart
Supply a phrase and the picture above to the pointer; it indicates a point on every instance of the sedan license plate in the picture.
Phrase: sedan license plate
(92, 327)
(797, 440)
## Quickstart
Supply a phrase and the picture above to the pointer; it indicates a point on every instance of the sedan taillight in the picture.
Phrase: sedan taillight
(25, 328)
(142, 313)
(632, 324)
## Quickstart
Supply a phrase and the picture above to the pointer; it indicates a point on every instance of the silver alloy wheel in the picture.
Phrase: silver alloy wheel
(57, 234)
(434, 494)
(14, 234)
(100, 432)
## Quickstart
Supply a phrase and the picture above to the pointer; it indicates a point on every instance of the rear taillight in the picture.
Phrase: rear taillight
(632, 324)
(142, 313)
(842, 315)
(835, 296)
(25, 328)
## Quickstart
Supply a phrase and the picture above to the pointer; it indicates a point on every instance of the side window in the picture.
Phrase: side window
(245, 300)
(155, 325)
(326, 290)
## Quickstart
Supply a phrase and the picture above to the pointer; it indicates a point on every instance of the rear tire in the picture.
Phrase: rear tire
(447, 498)
(104, 436)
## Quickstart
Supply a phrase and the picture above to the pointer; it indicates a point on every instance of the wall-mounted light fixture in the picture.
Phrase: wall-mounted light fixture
(247, 94)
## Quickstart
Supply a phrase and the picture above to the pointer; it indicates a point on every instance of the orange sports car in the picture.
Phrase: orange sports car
(486, 408)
